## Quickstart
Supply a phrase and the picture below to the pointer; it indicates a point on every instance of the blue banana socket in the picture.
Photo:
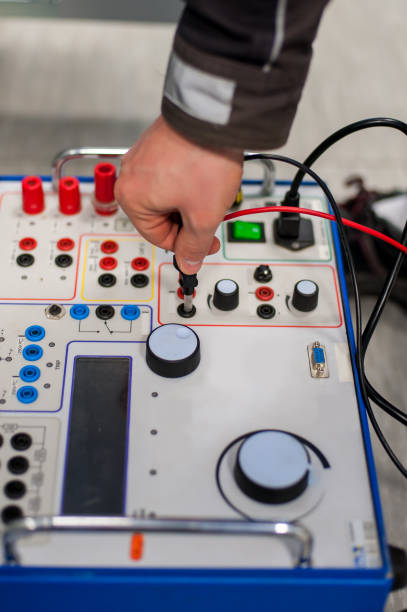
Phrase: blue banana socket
(35, 333)
(30, 373)
(130, 313)
(79, 311)
(32, 352)
(27, 394)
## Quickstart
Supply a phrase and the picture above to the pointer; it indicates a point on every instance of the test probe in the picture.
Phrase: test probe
(188, 282)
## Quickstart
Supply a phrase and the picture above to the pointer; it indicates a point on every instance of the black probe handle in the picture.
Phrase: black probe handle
(188, 282)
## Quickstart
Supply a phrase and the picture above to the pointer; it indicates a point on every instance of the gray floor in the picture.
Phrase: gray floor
(86, 83)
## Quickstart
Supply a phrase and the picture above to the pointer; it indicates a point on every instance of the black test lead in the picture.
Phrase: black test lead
(188, 282)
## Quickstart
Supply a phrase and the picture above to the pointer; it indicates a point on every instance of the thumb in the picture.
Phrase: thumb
(191, 248)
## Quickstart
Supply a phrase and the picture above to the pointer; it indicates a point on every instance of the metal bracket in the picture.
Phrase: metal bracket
(114, 152)
(82, 153)
(269, 178)
(298, 537)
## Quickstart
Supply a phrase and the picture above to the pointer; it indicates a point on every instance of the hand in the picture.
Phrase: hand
(163, 173)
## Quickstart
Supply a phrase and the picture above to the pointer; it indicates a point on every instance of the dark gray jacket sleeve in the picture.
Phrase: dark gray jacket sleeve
(237, 69)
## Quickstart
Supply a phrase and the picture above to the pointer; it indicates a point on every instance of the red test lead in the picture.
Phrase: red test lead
(317, 213)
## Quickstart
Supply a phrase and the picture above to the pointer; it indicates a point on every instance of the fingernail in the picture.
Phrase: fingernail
(190, 266)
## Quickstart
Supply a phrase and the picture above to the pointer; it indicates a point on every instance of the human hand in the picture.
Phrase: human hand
(164, 173)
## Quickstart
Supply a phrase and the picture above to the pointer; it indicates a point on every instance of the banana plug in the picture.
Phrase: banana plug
(188, 282)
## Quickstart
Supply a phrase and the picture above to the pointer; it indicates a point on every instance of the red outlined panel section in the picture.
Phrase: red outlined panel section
(250, 311)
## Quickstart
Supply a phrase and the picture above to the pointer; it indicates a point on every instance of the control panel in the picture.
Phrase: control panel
(115, 402)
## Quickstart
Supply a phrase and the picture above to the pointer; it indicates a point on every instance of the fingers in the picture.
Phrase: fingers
(165, 172)
(163, 230)
(160, 230)
(191, 248)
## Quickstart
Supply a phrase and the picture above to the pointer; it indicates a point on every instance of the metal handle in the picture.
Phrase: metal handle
(82, 153)
(113, 152)
(297, 535)
(269, 177)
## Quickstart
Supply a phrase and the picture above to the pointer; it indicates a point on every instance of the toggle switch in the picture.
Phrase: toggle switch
(246, 231)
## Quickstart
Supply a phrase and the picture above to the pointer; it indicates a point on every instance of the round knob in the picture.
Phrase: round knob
(69, 196)
(33, 195)
(173, 350)
(305, 296)
(226, 294)
(272, 467)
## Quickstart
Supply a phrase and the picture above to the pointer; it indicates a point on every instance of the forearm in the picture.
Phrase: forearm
(237, 70)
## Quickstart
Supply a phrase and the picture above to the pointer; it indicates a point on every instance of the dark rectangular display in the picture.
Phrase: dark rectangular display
(95, 466)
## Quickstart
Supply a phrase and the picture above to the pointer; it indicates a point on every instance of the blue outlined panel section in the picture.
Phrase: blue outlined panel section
(267, 250)
(97, 436)
(134, 351)
(40, 365)
(98, 321)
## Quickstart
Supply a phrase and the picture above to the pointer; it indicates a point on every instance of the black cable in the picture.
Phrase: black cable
(385, 405)
(292, 193)
(358, 314)
(371, 325)
(384, 294)
(292, 197)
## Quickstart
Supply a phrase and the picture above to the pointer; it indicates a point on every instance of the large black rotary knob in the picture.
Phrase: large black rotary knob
(305, 296)
(226, 294)
(272, 467)
(173, 350)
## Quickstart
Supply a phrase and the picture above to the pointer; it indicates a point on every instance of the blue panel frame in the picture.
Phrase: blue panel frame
(220, 590)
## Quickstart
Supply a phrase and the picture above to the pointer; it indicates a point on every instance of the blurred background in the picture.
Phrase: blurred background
(90, 72)
(98, 81)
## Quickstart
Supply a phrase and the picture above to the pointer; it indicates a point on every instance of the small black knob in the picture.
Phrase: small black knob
(173, 350)
(305, 296)
(263, 274)
(226, 294)
(272, 467)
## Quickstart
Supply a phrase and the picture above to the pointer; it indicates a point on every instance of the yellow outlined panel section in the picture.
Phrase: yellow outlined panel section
(121, 270)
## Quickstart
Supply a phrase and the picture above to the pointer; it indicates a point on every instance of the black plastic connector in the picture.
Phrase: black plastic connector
(104, 312)
(18, 465)
(11, 513)
(288, 224)
(187, 282)
(183, 313)
(290, 229)
(266, 311)
(21, 441)
(139, 280)
(25, 260)
(15, 489)
(63, 261)
(107, 280)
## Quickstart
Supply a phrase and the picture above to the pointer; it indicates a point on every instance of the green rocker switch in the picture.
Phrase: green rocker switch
(245, 231)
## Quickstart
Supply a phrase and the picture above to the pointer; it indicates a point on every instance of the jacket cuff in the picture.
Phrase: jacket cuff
(223, 103)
